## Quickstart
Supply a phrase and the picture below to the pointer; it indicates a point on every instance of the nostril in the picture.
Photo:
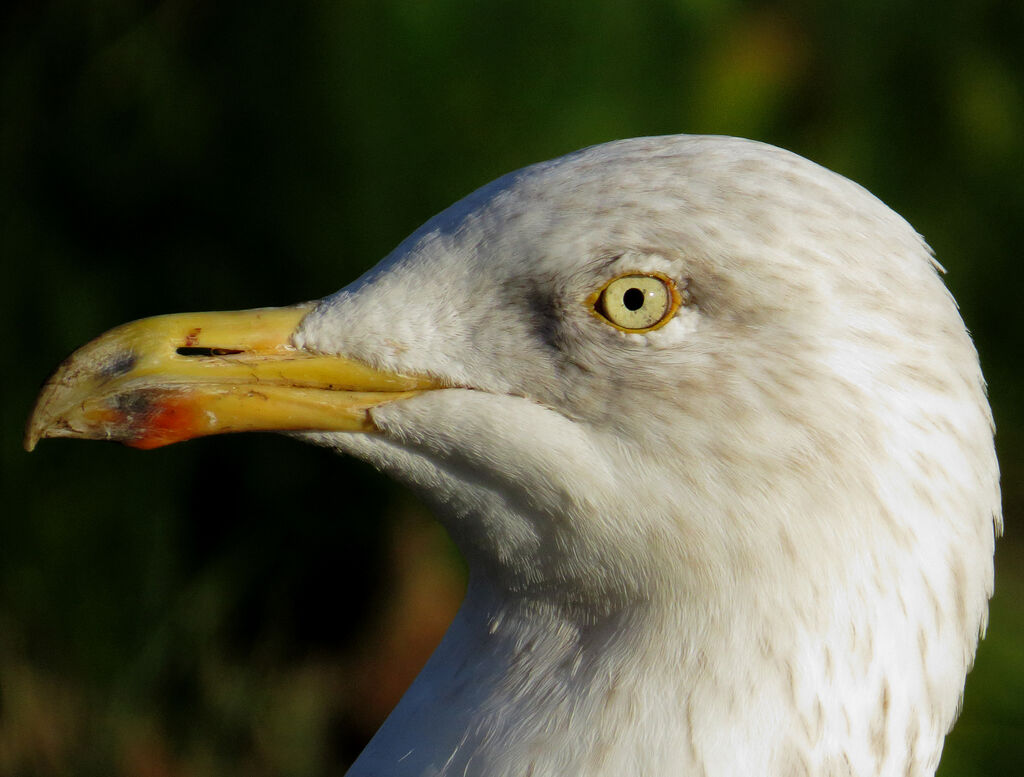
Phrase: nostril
(197, 351)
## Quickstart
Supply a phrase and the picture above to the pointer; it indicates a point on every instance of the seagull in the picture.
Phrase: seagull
(707, 427)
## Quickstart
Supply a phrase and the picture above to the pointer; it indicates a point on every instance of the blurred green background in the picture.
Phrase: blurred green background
(251, 605)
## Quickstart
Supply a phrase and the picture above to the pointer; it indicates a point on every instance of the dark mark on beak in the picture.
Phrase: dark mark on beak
(119, 365)
(198, 351)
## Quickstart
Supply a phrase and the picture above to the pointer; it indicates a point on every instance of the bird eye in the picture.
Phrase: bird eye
(637, 303)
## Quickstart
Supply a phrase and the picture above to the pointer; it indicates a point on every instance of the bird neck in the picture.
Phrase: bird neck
(521, 686)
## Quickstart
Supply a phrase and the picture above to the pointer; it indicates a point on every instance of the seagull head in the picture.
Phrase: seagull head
(704, 421)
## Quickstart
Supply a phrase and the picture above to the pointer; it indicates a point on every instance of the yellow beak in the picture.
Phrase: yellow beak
(170, 378)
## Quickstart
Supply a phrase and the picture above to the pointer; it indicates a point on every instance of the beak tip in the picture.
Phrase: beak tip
(35, 430)
(43, 419)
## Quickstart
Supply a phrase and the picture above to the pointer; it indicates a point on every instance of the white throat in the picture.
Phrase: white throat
(520, 687)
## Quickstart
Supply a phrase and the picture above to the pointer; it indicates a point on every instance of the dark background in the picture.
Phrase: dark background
(251, 605)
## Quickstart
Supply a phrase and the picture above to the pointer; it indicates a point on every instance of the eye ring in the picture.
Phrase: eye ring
(636, 302)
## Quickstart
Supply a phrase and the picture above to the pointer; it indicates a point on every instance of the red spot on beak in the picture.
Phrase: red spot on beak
(171, 419)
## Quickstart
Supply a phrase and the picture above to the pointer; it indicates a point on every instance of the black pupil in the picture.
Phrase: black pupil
(633, 299)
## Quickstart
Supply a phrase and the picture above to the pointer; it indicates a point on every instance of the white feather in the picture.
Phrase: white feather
(757, 541)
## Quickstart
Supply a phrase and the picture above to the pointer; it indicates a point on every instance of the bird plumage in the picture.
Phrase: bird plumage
(755, 541)
(750, 535)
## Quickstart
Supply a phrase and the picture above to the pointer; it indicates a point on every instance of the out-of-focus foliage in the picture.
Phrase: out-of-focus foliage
(251, 605)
